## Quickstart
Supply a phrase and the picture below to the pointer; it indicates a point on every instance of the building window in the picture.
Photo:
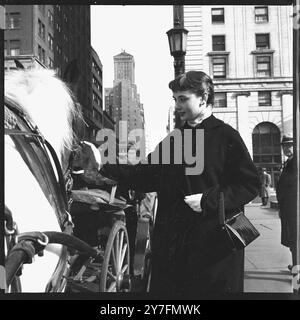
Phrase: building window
(58, 50)
(41, 29)
(266, 149)
(50, 63)
(50, 18)
(13, 20)
(41, 54)
(220, 100)
(218, 43)
(14, 47)
(263, 66)
(262, 41)
(219, 67)
(50, 41)
(65, 58)
(264, 98)
(58, 27)
(261, 14)
(217, 15)
(5, 48)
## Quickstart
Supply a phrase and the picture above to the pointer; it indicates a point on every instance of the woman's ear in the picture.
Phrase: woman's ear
(203, 100)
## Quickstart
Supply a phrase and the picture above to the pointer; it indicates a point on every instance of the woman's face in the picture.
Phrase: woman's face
(188, 105)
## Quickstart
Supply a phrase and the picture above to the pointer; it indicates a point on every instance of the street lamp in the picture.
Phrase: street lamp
(177, 42)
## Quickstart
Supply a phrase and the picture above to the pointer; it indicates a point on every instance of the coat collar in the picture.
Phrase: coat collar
(210, 122)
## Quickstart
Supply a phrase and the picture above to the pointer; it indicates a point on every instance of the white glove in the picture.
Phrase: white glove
(193, 201)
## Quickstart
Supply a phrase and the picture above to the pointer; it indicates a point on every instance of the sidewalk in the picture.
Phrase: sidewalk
(266, 260)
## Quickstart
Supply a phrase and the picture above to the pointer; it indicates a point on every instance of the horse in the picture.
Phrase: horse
(50, 107)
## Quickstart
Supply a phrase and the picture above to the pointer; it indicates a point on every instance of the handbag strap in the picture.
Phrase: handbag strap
(221, 209)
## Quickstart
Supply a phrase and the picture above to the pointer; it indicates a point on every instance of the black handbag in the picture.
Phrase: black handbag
(238, 230)
(220, 237)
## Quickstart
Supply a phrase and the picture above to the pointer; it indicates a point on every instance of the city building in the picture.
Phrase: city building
(248, 51)
(124, 67)
(171, 119)
(122, 101)
(52, 36)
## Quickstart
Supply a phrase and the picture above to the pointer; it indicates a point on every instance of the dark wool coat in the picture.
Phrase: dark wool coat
(180, 264)
(286, 191)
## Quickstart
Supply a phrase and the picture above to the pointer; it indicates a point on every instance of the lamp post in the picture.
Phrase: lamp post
(177, 42)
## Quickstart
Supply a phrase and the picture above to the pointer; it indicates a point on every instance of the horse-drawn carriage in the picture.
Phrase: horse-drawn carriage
(54, 244)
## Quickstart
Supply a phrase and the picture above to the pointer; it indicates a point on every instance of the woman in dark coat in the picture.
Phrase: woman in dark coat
(188, 204)
(286, 192)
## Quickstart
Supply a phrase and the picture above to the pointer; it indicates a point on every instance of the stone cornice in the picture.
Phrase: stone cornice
(265, 51)
(242, 93)
(281, 92)
(253, 80)
(218, 53)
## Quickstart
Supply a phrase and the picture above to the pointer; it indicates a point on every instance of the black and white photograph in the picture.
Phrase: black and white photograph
(151, 151)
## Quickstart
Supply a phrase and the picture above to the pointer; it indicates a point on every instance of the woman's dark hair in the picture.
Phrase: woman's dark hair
(197, 82)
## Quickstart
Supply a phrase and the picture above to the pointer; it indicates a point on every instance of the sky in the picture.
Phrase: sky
(141, 32)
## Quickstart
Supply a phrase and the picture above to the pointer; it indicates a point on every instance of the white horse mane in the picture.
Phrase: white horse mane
(48, 103)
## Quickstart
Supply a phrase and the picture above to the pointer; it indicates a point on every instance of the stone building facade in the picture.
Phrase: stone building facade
(248, 51)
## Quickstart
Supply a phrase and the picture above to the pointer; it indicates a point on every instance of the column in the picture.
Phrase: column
(287, 111)
(243, 118)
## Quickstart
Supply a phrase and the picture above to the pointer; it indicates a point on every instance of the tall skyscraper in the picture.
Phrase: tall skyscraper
(248, 51)
(124, 67)
(122, 101)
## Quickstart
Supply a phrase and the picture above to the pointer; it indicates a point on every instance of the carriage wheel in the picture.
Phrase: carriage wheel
(115, 267)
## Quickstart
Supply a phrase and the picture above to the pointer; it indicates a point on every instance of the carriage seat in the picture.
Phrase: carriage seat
(100, 199)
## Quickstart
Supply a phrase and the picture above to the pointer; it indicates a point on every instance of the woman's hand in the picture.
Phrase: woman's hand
(193, 201)
(88, 158)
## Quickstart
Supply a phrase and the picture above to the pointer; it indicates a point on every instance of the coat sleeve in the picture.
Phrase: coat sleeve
(240, 181)
(142, 177)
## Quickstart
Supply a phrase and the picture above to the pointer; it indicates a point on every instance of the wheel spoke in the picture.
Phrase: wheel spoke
(120, 261)
(114, 259)
(112, 286)
(123, 254)
(117, 252)
(111, 275)
(124, 268)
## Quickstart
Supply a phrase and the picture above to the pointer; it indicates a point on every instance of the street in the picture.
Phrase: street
(266, 260)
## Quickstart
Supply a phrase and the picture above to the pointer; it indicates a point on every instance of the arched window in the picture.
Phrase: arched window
(267, 149)
(266, 143)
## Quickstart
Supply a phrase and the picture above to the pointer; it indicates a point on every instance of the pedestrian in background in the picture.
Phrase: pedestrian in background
(287, 197)
(265, 187)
